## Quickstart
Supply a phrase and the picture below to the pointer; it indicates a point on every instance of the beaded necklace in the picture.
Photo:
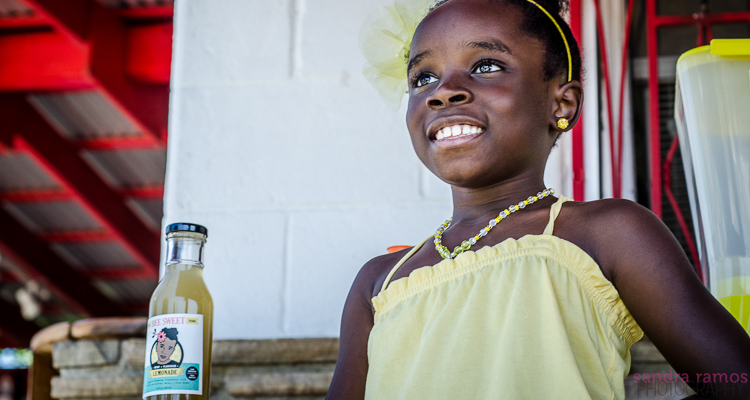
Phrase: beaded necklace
(466, 244)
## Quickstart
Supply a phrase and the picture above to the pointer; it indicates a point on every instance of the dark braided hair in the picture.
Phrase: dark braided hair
(539, 26)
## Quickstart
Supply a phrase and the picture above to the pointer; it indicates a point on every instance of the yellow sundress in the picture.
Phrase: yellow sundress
(532, 318)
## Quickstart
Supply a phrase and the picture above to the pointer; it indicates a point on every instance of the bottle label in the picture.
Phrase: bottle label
(174, 355)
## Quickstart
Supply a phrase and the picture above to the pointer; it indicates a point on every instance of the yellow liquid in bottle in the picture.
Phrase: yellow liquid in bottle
(182, 290)
(739, 306)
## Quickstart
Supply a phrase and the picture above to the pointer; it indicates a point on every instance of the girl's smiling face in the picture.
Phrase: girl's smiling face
(475, 74)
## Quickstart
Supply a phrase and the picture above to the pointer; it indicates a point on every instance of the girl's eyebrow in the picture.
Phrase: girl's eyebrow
(416, 60)
(490, 45)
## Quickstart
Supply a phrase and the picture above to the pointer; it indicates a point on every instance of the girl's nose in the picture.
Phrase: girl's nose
(449, 95)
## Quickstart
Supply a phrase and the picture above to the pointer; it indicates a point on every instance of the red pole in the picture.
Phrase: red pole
(579, 176)
(652, 29)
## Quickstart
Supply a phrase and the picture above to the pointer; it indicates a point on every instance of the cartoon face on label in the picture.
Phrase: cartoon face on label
(167, 351)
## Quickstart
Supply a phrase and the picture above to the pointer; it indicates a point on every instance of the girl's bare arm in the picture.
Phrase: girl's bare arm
(693, 331)
(356, 323)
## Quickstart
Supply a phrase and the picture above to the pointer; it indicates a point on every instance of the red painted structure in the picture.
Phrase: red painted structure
(660, 170)
(579, 175)
(84, 88)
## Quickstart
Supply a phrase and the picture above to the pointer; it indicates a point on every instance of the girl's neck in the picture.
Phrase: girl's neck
(473, 204)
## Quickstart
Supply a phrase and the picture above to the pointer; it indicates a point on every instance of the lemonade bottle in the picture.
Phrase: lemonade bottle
(178, 341)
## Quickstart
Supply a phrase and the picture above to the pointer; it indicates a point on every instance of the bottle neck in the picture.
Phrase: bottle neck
(185, 248)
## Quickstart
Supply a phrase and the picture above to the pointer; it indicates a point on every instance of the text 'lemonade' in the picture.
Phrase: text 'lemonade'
(178, 342)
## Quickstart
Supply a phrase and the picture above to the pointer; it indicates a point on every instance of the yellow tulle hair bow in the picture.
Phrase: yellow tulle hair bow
(385, 41)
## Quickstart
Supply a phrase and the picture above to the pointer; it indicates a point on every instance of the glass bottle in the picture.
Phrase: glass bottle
(178, 342)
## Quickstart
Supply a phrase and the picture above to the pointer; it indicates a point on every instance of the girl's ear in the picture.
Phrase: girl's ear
(568, 103)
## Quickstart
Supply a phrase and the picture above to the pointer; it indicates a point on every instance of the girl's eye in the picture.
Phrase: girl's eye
(424, 80)
(486, 67)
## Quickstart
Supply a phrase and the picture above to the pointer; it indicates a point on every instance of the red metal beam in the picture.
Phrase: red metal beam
(118, 273)
(24, 22)
(60, 159)
(145, 13)
(41, 264)
(92, 26)
(35, 196)
(144, 192)
(719, 18)
(145, 142)
(57, 195)
(579, 170)
(68, 17)
(654, 151)
(147, 60)
(146, 102)
(77, 236)
(43, 61)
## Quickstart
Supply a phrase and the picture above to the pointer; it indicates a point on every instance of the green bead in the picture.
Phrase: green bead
(458, 250)
(466, 245)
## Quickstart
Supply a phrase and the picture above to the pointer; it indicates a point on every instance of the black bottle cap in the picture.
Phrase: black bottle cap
(187, 227)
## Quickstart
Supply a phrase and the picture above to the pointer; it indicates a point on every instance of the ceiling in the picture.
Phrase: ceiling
(84, 88)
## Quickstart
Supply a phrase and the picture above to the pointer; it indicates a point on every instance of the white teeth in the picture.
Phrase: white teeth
(457, 130)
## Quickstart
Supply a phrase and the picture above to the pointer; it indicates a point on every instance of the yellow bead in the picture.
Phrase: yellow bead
(477, 237)
(497, 219)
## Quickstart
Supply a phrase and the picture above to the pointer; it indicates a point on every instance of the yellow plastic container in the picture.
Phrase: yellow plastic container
(712, 112)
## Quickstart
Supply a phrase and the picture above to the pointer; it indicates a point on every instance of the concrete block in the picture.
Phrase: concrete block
(221, 42)
(289, 384)
(96, 387)
(290, 351)
(344, 239)
(330, 36)
(244, 269)
(295, 144)
(85, 353)
(133, 352)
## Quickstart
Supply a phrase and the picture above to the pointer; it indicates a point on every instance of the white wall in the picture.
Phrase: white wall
(281, 148)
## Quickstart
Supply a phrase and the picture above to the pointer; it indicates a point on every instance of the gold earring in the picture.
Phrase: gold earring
(563, 123)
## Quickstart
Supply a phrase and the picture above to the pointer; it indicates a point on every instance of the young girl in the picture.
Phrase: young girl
(520, 295)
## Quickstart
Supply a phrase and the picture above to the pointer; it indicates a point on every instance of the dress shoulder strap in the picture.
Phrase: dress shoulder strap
(553, 213)
(401, 262)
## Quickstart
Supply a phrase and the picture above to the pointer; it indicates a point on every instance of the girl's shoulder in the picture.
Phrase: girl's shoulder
(372, 275)
(611, 231)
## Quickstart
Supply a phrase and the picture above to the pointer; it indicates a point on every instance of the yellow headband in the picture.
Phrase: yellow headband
(567, 46)
(385, 40)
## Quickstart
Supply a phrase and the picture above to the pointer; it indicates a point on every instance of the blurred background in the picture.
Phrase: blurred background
(118, 117)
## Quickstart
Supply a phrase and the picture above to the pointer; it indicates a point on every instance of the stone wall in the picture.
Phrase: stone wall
(104, 359)
(243, 369)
